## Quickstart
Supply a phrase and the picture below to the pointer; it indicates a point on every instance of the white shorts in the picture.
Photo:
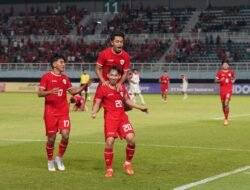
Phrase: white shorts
(135, 89)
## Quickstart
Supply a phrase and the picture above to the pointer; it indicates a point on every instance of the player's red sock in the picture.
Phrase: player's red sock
(226, 112)
(108, 156)
(50, 150)
(130, 150)
(62, 148)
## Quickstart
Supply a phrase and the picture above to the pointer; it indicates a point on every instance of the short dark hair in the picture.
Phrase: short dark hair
(114, 34)
(134, 69)
(165, 71)
(118, 69)
(225, 61)
(55, 58)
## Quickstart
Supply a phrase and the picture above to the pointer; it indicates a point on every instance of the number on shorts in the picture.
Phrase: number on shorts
(127, 127)
(66, 123)
(60, 92)
(118, 103)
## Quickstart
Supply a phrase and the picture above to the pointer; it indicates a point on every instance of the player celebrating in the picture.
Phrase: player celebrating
(116, 120)
(113, 56)
(79, 102)
(134, 86)
(184, 86)
(226, 78)
(54, 86)
(164, 80)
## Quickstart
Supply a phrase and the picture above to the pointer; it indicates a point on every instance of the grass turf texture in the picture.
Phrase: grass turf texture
(179, 142)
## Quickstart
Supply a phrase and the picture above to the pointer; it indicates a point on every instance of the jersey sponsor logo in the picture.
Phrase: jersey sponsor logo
(111, 60)
(54, 81)
(122, 61)
(64, 81)
(110, 94)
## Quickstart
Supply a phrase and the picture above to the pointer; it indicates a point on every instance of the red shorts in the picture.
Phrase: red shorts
(55, 123)
(164, 89)
(225, 96)
(115, 128)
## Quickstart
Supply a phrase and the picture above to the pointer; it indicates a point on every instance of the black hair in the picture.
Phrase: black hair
(114, 34)
(118, 69)
(134, 69)
(225, 61)
(55, 58)
(72, 100)
(165, 71)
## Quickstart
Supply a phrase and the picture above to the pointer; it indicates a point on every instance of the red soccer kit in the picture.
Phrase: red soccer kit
(116, 120)
(107, 58)
(56, 112)
(226, 85)
(79, 102)
(164, 83)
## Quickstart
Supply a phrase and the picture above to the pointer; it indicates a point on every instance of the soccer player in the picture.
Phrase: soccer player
(226, 78)
(115, 119)
(79, 102)
(84, 80)
(184, 86)
(134, 86)
(54, 86)
(164, 80)
(113, 56)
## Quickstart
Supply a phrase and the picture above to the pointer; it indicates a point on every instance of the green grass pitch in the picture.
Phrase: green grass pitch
(178, 142)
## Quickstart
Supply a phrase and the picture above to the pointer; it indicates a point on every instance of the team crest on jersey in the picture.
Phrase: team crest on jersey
(122, 61)
(229, 74)
(64, 81)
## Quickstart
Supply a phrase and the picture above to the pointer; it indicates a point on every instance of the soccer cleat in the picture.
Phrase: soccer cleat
(109, 173)
(59, 164)
(129, 169)
(225, 122)
(51, 166)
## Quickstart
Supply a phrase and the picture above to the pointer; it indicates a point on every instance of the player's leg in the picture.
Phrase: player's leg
(226, 111)
(130, 150)
(64, 127)
(50, 150)
(51, 130)
(108, 156)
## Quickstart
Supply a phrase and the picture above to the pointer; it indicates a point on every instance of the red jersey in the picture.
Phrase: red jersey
(164, 80)
(56, 104)
(112, 102)
(226, 85)
(107, 58)
(78, 99)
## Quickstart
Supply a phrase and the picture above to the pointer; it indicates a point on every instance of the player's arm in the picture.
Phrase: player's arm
(42, 92)
(122, 80)
(98, 72)
(136, 106)
(96, 108)
(74, 91)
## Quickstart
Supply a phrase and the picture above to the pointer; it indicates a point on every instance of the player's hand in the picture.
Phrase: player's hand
(144, 109)
(54, 91)
(93, 115)
(105, 83)
(118, 87)
(91, 80)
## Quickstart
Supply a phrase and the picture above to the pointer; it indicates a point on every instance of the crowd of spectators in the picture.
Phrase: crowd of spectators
(27, 51)
(224, 19)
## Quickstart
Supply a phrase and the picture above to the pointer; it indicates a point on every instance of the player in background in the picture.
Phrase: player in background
(134, 86)
(226, 78)
(184, 86)
(113, 56)
(84, 80)
(164, 80)
(79, 103)
(54, 86)
(116, 121)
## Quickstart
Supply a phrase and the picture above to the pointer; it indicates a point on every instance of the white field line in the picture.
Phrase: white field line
(233, 116)
(203, 181)
(145, 145)
(247, 173)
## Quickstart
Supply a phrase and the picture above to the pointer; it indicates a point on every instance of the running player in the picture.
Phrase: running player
(226, 78)
(164, 80)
